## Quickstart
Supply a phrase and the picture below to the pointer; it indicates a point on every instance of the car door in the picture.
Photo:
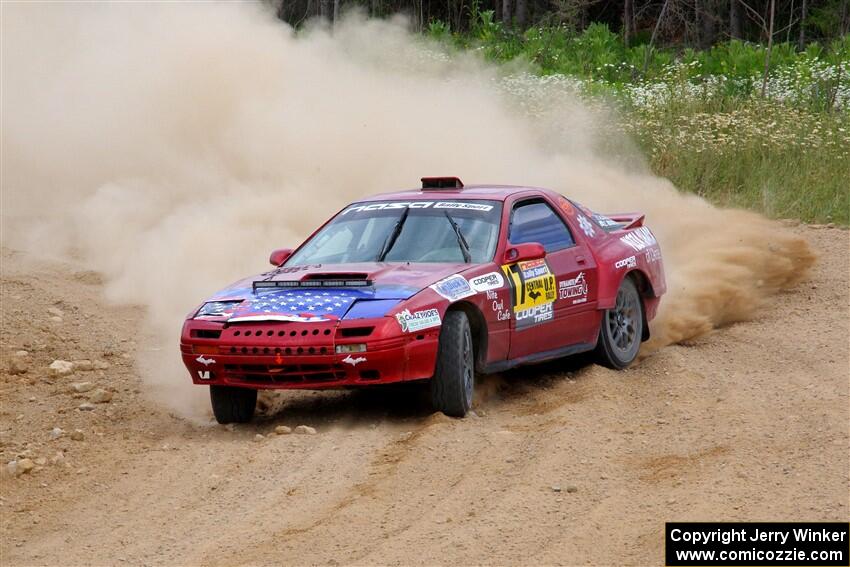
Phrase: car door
(552, 296)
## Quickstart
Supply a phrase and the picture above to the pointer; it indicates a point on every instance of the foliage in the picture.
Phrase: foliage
(699, 116)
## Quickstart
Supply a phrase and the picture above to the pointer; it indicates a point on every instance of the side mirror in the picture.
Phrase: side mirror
(523, 252)
(278, 257)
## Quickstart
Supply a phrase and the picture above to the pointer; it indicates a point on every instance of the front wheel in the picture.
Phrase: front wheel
(621, 329)
(454, 378)
(233, 405)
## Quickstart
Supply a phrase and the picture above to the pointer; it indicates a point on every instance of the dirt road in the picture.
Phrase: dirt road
(564, 464)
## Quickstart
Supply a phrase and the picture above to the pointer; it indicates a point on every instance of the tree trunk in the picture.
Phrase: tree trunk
(708, 29)
(497, 11)
(336, 10)
(734, 19)
(506, 12)
(628, 10)
(654, 34)
(521, 11)
(801, 42)
(845, 18)
(769, 48)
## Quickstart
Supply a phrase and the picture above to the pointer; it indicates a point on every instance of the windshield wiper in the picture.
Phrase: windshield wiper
(390, 241)
(461, 241)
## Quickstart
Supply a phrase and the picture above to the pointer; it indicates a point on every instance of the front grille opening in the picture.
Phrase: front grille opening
(286, 374)
(356, 331)
(370, 375)
(206, 333)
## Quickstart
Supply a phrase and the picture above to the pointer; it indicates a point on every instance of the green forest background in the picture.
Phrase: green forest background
(744, 103)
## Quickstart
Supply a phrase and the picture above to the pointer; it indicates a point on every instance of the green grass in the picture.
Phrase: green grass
(700, 117)
(760, 155)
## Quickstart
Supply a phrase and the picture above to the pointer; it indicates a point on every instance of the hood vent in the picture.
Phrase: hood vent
(339, 281)
(337, 276)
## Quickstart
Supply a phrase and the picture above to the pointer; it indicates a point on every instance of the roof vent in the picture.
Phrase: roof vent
(442, 183)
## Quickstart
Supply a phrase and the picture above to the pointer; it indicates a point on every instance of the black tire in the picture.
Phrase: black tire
(454, 379)
(233, 405)
(621, 329)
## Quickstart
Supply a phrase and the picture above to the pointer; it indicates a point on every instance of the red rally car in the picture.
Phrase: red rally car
(439, 283)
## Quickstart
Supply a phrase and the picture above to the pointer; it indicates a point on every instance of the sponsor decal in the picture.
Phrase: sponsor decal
(639, 239)
(205, 361)
(418, 205)
(630, 262)
(532, 291)
(534, 315)
(565, 205)
(498, 307)
(493, 280)
(534, 269)
(204, 374)
(293, 269)
(604, 221)
(574, 289)
(453, 288)
(418, 320)
(585, 225)
(353, 361)
(653, 255)
(461, 205)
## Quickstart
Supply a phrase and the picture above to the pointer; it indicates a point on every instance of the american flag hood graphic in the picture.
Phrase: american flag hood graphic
(286, 297)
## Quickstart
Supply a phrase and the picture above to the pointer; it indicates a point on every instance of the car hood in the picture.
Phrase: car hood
(329, 298)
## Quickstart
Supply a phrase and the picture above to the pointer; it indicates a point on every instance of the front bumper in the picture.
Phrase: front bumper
(293, 355)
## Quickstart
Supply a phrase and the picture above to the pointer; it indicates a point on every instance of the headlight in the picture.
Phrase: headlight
(217, 308)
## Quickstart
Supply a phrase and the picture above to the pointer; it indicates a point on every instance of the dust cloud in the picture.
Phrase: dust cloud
(171, 146)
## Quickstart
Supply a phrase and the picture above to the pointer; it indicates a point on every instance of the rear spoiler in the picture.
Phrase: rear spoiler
(628, 220)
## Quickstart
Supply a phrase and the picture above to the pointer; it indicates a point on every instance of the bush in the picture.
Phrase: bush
(699, 115)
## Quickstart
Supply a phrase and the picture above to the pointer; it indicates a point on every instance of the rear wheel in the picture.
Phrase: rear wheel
(454, 378)
(621, 329)
(233, 405)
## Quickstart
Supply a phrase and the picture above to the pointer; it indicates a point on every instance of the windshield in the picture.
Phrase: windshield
(409, 231)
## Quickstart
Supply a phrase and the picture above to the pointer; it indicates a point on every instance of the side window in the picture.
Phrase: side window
(535, 221)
